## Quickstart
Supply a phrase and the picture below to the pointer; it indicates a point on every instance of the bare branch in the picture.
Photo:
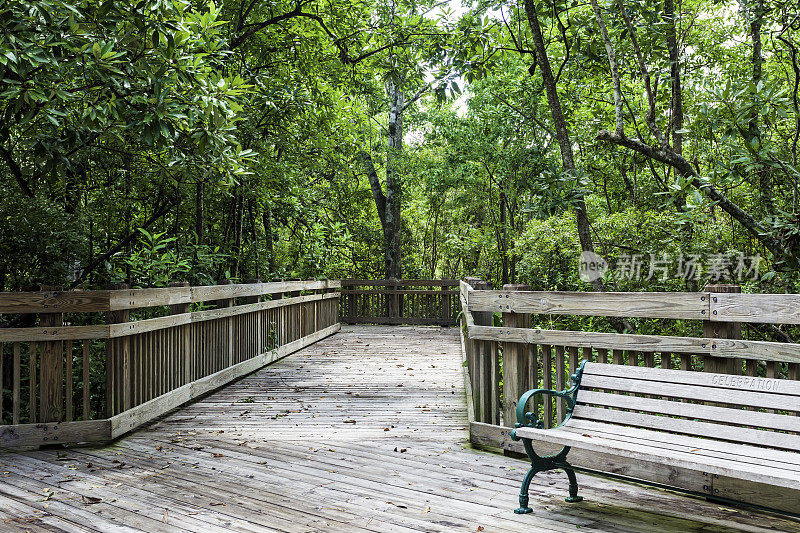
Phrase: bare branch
(612, 64)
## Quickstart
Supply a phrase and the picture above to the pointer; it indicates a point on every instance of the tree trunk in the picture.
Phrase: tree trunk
(675, 77)
(375, 185)
(562, 133)
(754, 15)
(676, 102)
(393, 226)
(503, 238)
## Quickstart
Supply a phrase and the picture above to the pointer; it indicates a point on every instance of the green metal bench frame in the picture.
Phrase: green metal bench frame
(556, 461)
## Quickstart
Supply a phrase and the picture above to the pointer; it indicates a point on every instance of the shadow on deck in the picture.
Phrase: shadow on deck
(363, 431)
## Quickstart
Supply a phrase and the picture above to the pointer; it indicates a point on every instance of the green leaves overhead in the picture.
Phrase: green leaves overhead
(79, 77)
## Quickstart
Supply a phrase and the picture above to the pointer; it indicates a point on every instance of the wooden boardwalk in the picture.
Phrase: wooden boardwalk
(364, 431)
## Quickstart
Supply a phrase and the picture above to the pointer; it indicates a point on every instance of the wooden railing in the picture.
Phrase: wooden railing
(504, 361)
(86, 366)
(426, 302)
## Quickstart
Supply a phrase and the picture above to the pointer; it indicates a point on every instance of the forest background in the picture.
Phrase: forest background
(168, 140)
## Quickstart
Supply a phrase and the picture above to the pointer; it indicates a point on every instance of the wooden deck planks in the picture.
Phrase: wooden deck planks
(363, 431)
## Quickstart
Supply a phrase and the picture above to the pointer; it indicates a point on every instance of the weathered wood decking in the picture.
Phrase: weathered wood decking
(364, 431)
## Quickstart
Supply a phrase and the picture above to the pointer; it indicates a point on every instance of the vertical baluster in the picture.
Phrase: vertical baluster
(514, 362)
(32, 389)
(2, 380)
(136, 368)
(560, 382)
(171, 358)
(573, 364)
(547, 383)
(160, 366)
(15, 386)
(150, 374)
(68, 383)
(602, 355)
(618, 356)
(87, 384)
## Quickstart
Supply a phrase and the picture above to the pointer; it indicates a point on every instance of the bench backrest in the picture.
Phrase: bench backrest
(726, 407)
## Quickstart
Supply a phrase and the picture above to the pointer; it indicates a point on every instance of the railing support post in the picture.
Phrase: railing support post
(228, 302)
(184, 336)
(515, 356)
(118, 364)
(394, 298)
(484, 367)
(51, 381)
(257, 340)
(722, 330)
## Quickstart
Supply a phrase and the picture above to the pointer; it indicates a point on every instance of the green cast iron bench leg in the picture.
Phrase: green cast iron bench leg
(556, 461)
(542, 464)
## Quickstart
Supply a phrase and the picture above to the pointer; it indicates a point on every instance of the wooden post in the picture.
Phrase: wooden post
(514, 362)
(2, 355)
(393, 299)
(276, 337)
(351, 302)
(227, 327)
(118, 377)
(480, 365)
(444, 310)
(51, 378)
(184, 337)
(257, 321)
(293, 317)
(722, 330)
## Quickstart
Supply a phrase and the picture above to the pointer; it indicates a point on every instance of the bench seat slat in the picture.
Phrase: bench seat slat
(776, 387)
(669, 441)
(692, 392)
(771, 439)
(599, 443)
(691, 410)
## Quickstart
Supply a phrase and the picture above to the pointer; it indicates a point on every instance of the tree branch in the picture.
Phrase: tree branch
(16, 171)
(160, 212)
(667, 156)
(612, 64)
(650, 116)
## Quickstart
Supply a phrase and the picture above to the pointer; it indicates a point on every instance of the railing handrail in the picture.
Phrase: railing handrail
(78, 301)
(400, 301)
(349, 282)
(712, 306)
(708, 306)
(149, 365)
(720, 349)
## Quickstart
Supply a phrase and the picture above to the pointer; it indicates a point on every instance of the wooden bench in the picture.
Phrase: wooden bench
(670, 427)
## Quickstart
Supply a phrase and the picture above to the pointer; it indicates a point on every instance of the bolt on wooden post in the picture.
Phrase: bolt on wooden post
(515, 373)
(721, 330)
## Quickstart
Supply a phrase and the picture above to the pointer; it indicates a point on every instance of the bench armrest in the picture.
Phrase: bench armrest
(526, 419)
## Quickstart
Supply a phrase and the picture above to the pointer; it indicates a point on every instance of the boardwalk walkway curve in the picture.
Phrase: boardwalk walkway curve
(363, 431)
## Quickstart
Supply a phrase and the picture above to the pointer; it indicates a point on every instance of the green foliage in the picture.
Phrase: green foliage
(162, 141)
